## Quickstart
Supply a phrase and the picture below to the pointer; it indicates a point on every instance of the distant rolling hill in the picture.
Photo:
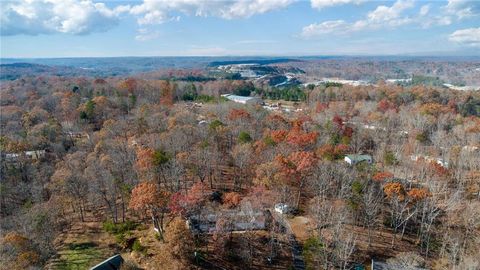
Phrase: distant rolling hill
(14, 71)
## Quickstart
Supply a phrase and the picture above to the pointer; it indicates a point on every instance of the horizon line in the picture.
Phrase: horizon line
(254, 56)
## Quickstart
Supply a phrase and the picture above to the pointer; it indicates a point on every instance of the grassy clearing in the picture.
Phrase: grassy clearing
(79, 256)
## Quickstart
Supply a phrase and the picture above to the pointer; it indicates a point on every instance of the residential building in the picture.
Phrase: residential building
(355, 159)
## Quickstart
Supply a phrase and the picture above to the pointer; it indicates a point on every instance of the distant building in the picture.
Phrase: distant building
(282, 208)
(470, 148)
(243, 100)
(439, 161)
(398, 81)
(35, 154)
(77, 135)
(338, 80)
(11, 157)
(462, 88)
(355, 159)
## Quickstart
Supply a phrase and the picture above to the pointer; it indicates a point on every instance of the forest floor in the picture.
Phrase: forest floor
(380, 246)
(302, 227)
(238, 254)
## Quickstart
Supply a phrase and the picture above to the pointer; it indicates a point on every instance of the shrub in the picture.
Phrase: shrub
(244, 137)
(389, 158)
(422, 137)
(311, 250)
(205, 98)
(357, 187)
(269, 141)
(137, 246)
(215, 124)
(118, 228)
(160, 157)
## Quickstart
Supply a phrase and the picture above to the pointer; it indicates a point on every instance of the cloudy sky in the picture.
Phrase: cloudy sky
(75, 28)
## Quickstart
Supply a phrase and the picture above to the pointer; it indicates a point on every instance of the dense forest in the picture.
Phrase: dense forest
(162, 169)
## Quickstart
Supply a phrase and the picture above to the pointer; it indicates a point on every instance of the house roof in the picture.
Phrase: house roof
(112, 263)
(359, 157)
(238, 98)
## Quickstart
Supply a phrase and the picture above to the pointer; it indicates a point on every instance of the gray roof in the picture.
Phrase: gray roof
(112, 263)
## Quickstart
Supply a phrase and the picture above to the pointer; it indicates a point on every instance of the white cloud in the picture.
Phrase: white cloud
(463, 8)
(319, 4)
(424, 10)
(382, 16)
(328, 27)
(159, 11)
(32, 17)
(469, 36)
(386, 14)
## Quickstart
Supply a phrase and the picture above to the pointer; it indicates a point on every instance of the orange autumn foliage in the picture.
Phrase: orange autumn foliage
(236, 114)
(231, 199)
(146, 196)
(382, 176)
(129, 84)
(301, 138)
(167, 92)
(434, 109)
(17, 240)
(331, 152)
(385, 105)
(278, 135)
(296, 163)
(439, 169)
(393, 190)
(276, 118)
(417, 194)
(144, 159)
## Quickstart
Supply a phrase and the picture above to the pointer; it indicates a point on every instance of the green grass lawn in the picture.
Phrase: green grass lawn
(79, 256)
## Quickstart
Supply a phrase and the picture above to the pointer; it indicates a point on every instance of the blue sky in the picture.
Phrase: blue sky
(78, 28)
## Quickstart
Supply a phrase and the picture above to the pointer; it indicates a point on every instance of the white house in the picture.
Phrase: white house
(355, 159)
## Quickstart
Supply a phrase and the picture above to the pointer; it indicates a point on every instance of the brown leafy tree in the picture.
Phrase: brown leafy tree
(148, 197)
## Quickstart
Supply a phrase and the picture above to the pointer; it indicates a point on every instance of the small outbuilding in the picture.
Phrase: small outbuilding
(355, 159)
(37, 154)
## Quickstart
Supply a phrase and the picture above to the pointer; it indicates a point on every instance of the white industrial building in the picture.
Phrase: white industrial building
(243, 100)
